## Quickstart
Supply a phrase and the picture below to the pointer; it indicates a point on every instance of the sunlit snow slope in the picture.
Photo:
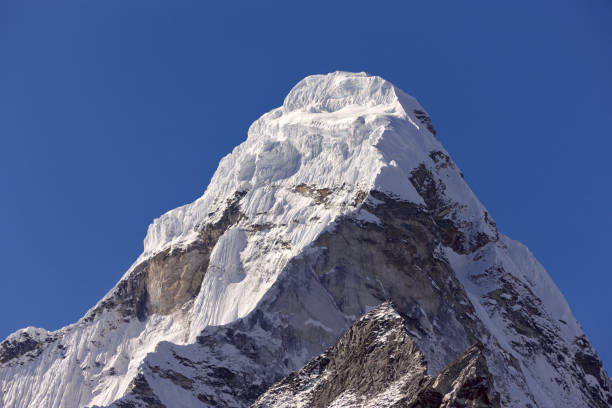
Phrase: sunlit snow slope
(338, 200)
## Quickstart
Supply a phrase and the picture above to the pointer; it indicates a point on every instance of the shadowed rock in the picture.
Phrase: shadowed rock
(377, 364)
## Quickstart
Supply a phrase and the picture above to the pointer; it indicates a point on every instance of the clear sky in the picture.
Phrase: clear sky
(113, 112)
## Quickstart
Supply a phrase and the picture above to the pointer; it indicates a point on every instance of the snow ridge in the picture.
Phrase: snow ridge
(332, 130)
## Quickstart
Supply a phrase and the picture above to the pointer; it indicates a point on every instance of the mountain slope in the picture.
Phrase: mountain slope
(337, 201)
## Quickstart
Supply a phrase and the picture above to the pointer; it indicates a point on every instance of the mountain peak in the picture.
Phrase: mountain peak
(339, 200)
(337, 90)
(341, 129)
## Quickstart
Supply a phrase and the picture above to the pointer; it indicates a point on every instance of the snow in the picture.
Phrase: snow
(301, 168)
(365, 217)
(316, 323)
(57, 380)
(516, 260)
(332, 130)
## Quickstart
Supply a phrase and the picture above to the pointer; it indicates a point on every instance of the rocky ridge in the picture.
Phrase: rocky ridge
(377, 364)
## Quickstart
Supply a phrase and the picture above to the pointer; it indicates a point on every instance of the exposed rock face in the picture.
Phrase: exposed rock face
(139, 386)
(363, 264)
(28, 344)
(165, 282)
(377, 364)
(425, 119)
(339, 201)
(227, 366)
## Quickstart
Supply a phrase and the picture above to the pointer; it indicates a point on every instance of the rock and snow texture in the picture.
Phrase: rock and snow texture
(377, 364)
(339, 200)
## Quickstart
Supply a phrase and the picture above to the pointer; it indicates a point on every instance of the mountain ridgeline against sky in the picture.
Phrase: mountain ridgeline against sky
(337, 258)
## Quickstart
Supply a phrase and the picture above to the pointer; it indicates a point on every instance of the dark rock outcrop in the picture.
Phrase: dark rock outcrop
(171, 278)
(377, 364)
(27, 345)
(425, 120)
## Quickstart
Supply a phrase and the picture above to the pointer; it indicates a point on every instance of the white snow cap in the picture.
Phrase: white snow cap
(332, 92)
(341, 129)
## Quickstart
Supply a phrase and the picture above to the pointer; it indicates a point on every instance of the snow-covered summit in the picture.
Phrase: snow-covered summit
(337, 90)
(341, 129)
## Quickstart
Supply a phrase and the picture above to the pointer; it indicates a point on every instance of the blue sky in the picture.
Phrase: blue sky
(114, 112)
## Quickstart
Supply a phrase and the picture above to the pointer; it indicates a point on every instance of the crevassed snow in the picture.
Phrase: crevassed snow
(332, 130)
